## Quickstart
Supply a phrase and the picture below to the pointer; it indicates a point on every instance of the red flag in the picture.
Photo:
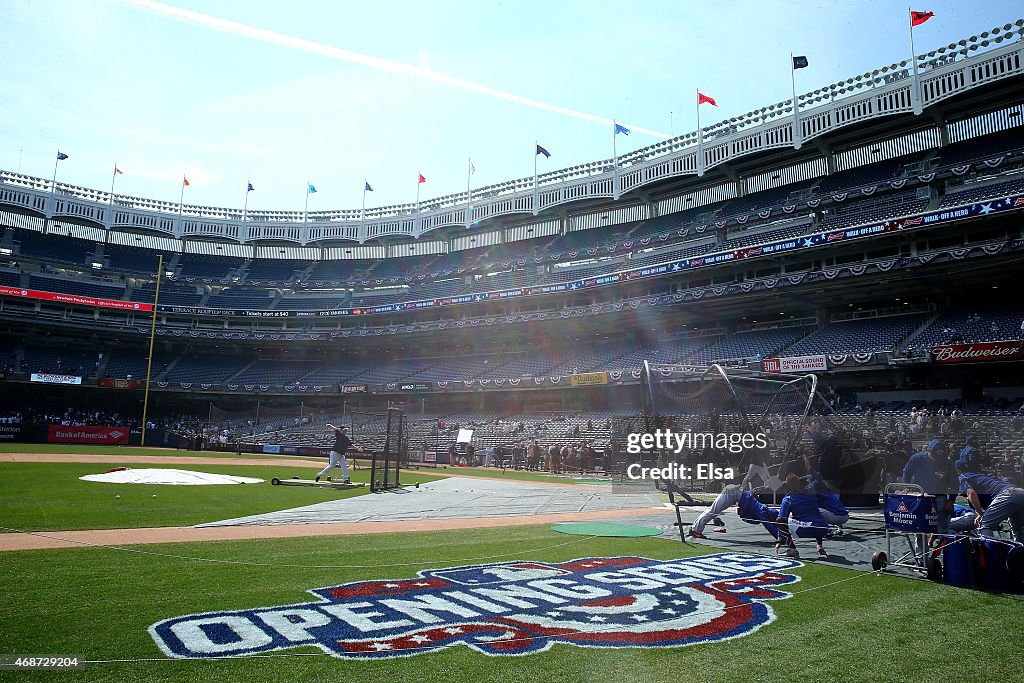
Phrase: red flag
(702, 98)
(422, 179)
(918, 18)
(184, 181)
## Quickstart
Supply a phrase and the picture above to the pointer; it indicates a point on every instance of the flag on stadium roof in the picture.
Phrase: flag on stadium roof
(619, 128)
(117, 171)
(541, 150)
(800, 62)
(251, 188)
(185, 182)
(311, 189)
(366, 187)
(472, 168)
(702, 98)
(918, 18)
(422, 179)
(61, 156)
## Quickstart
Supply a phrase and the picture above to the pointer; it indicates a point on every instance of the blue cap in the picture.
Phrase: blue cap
(970, 439)
(936, 445)
(967, 464)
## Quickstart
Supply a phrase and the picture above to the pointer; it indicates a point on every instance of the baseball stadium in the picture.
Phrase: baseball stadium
(740, 402)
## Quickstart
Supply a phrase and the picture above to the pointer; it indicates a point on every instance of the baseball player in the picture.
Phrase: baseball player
(342, 444)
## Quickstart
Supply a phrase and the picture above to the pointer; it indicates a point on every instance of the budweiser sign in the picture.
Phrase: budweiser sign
(979, 352)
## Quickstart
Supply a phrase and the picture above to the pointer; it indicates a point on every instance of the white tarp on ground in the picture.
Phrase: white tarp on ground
(170, 477)
(455, 498)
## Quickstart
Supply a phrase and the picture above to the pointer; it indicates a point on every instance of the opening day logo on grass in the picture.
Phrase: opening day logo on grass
(511, 608)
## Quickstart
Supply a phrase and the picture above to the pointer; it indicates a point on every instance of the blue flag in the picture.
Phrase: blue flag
(61, 156)
(619, 128)
(541, 150)
(367, 187)
(251, 188)
(311, 190)
(800, 62)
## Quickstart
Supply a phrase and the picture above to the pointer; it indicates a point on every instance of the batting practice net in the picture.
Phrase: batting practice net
(384, 434)
(724, 419)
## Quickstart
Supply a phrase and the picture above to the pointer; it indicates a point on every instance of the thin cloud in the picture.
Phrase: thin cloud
(422, 72)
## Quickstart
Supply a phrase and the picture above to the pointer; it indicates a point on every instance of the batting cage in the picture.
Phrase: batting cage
(714, 426)
(384, 435)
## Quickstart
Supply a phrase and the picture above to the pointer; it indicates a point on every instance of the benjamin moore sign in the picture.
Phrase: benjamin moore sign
(510, 608)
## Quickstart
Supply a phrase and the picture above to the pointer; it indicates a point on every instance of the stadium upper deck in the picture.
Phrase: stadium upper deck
(805, 134)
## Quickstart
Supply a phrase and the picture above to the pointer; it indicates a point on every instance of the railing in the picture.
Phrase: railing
(943, 73)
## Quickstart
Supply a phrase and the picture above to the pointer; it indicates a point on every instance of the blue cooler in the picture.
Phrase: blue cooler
(997, 576)
(959, 561)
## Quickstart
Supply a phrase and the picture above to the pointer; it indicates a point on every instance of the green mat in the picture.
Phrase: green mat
(605, 529)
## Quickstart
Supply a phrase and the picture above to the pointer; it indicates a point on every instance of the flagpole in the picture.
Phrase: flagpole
(419, 175)
(53, 193)
(916, 93)
(152, 335)
(469, 192)
(53, 183)
(535, 154)
(305, 209)
(113, 176)
(700, 140)
(362, 212)
(671, 128)
(797, 137)
(181, 199)
(245, 206)
(615, 160)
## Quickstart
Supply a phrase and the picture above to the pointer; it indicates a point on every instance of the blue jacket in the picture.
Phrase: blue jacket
(985, 486)
(831, 502)
(802, 506)
(753, 511)
(971, 455)
(934, 476)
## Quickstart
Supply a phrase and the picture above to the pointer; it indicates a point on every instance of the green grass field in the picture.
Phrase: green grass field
(99, 603)
(840, 625)
(50, 496)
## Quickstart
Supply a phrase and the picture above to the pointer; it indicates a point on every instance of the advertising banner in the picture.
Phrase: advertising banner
(416, 386)
(113, 383)
(75, 299)
(980, 352)
(103, 435)
(47, 378)
(588, 378)
(795, 364)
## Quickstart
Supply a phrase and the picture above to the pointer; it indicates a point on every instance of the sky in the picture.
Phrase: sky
(335, 92)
